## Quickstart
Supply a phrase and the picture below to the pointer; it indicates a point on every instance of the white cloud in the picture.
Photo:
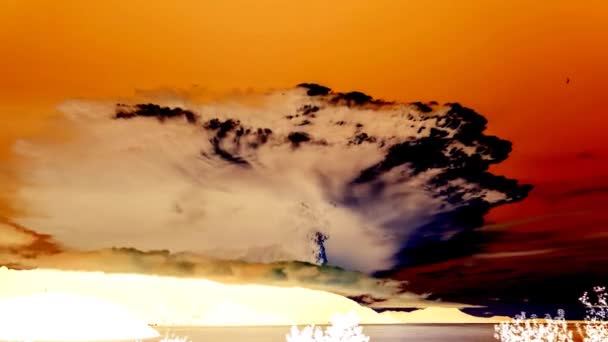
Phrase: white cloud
(160, 185)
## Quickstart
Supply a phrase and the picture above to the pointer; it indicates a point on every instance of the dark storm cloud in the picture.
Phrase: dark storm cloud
(352, 98)
(296, 138)
(429, 242)
(232, 133)
(315, 89)
(153, 110)
(408, 183)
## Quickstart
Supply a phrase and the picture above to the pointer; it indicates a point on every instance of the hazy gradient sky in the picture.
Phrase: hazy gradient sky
(509, 60)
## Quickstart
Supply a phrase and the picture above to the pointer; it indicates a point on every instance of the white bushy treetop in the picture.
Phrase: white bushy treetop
(524, 329)
(594, 329)
(343, 328)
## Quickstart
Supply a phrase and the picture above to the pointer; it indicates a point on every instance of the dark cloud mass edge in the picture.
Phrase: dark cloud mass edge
(427, 244)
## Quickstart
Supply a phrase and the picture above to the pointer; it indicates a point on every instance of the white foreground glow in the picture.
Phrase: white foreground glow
(68, 317)
(168, 301)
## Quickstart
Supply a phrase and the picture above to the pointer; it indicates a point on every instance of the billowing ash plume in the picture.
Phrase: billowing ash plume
(303, 174)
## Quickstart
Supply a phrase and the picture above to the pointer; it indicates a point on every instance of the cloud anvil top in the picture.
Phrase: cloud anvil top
(406, 182)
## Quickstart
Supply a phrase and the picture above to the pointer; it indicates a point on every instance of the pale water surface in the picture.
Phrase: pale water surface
(377, 333)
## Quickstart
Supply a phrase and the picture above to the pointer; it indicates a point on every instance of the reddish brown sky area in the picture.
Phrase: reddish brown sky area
(537, 70)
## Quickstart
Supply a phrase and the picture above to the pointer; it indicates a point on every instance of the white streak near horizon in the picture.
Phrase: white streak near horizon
(168, 301)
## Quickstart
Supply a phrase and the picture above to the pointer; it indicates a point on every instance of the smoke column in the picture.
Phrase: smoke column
(303, 174)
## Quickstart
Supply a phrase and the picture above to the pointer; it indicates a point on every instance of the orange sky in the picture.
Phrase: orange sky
(509, 60)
